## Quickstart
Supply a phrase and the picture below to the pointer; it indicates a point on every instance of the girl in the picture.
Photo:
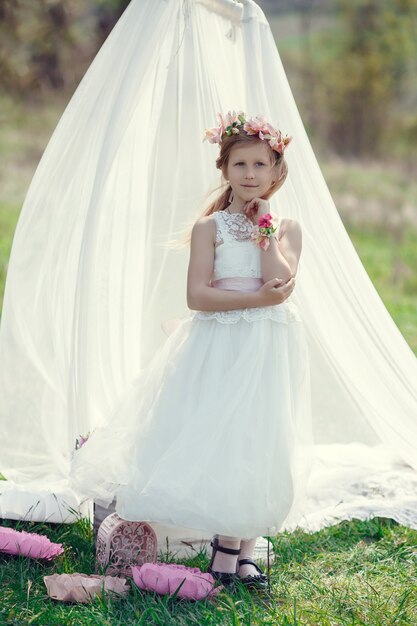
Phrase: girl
(209, 436)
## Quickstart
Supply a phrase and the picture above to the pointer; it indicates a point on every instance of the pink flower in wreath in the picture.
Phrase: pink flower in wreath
(258, 126)
(230, 118)
(279, 143)
(213, 134)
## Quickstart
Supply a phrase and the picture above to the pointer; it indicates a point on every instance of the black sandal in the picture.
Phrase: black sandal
(227, 579)
(252, 581)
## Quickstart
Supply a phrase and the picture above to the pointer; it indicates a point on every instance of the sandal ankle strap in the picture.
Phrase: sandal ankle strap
(249, 562)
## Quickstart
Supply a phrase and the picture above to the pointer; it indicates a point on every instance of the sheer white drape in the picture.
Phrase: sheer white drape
(91, 277)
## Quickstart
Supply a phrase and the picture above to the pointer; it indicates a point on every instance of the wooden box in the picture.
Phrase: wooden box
(121, 544)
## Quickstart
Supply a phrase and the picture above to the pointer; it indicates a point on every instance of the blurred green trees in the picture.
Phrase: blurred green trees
(34, 38)
(48, 43)
(362, 78)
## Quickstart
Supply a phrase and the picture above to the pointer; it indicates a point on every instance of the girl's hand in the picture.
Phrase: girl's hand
(275, 291)
(255, 208)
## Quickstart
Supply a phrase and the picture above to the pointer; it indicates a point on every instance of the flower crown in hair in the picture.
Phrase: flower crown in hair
(233, 122)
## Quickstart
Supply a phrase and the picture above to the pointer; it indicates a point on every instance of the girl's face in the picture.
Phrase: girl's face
(250, 171)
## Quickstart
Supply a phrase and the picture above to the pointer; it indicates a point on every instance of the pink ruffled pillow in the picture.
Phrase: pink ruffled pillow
(28, 544)
(167, 577)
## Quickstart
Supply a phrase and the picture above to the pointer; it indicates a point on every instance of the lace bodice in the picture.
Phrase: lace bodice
(237, 256)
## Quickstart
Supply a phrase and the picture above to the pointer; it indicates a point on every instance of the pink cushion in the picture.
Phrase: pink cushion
(28, 544)
(167, 577)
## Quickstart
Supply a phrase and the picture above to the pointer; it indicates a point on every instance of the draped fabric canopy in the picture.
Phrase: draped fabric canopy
(92, 277)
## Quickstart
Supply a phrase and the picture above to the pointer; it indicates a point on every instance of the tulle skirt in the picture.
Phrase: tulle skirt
(215, 434)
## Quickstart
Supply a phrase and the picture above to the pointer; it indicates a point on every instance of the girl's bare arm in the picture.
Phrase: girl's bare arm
(290, 243)
(203, 297)
(273, 262)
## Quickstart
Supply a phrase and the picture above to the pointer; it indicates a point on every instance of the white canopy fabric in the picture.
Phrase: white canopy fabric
(92, 278)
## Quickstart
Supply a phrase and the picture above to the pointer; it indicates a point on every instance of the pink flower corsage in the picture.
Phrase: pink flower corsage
(263, 231)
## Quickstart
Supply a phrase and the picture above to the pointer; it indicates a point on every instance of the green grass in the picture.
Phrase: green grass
(372, 191)
(392, 268)
(354, 573)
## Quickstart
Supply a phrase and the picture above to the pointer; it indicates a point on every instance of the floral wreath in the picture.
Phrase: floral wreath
(233, 122)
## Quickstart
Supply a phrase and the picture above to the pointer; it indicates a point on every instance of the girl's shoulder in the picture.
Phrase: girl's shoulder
(205, 222)
(205, 226)
(208, 222)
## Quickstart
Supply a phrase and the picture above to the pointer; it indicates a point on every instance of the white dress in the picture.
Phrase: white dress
(215, 434)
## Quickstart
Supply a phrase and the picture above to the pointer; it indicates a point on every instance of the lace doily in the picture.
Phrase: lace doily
(357, 481)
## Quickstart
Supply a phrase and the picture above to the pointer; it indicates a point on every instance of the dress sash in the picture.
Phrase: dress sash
(238, 283)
